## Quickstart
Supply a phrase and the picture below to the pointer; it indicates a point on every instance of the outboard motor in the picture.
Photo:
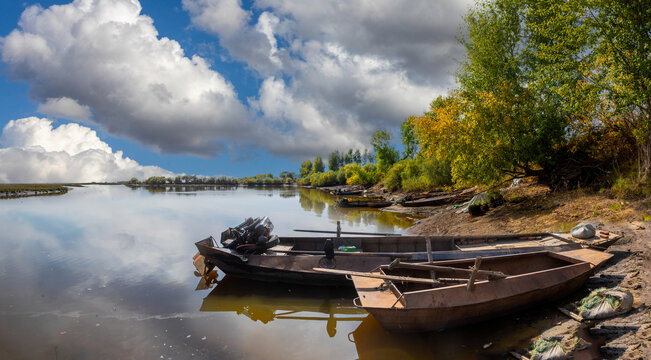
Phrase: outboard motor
(253, 235)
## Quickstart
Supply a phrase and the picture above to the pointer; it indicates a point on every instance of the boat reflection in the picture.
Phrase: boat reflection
(266, 302)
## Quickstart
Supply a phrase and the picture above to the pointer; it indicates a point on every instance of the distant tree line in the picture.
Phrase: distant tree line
(185, 180)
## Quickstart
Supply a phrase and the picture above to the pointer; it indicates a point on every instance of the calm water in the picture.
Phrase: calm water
(105, 272)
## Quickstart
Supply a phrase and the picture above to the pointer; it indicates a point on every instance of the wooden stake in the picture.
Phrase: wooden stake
(428, 245)
(473, 274)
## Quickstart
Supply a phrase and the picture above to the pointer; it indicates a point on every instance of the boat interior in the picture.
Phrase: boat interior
(404, 244)
(509, 265)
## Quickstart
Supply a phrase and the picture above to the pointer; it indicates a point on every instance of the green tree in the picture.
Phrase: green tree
(348, 157)
(317, 165)
(357, 157)
(385, 154)
(495, 123)
(334, 161)
(409, 140)
(306, 168)
(623, 47)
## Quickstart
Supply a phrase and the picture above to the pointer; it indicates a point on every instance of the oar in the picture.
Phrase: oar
(448, 269)
(346, 232)
(343, 253)
(378, 276)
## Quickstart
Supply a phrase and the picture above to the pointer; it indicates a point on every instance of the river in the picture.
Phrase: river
(105, 272)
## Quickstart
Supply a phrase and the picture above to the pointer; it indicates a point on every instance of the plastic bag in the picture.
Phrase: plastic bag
(603, 303)
(583, 231)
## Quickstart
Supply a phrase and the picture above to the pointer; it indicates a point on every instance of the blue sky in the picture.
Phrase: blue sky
(210, 87)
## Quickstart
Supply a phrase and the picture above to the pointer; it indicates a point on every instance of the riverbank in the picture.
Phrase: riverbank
(533, 208)
(10, 191)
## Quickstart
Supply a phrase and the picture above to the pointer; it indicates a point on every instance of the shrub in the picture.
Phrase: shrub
(393, 180)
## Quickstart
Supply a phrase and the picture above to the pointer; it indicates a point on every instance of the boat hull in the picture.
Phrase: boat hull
(432, 319)
(543, 277)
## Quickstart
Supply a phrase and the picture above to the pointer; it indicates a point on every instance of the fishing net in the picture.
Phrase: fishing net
(604, 303)
(547, 349)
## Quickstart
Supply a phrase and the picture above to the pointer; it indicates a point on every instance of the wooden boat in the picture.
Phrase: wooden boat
(293, 259)
(437, 200)
(446, 294)
(376, 203)
(346, 192)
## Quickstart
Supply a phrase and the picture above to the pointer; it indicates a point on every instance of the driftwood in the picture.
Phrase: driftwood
(570, 314)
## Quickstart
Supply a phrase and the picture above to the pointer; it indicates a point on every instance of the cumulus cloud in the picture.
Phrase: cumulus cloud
(34, 151)
(337, 71)
(332, 73)
(104, 57)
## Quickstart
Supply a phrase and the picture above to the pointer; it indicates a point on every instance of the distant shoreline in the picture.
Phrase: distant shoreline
(13, 191)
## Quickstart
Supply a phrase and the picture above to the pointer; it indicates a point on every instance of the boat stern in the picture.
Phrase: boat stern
(203, 266)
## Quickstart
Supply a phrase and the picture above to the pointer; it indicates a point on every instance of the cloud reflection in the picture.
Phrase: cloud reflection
(121, 258)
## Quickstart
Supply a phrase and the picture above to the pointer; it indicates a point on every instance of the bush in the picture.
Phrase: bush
(367, 175)
(417, 175)
(393, 179)
(324, 179)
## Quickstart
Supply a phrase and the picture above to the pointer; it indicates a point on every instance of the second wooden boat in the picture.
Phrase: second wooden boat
(371, 203)
(445, 294)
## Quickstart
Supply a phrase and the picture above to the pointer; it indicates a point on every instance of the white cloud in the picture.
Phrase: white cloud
(33, 151)
(337, 71)
(104, 56)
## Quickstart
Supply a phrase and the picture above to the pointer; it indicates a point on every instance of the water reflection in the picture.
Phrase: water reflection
(111, 265)
(181, 188)
(333, 309)
(265, 302)
(321, 202)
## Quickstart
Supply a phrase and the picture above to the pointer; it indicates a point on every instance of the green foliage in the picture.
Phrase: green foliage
(409, 141)
(366, 175)
(417, 175)
(328, 178)
(133, 180)
(538, 74)
(385, 154)
(306, 168)
(393, 179)
(317, 165)
(287, 175)
(334, 161)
